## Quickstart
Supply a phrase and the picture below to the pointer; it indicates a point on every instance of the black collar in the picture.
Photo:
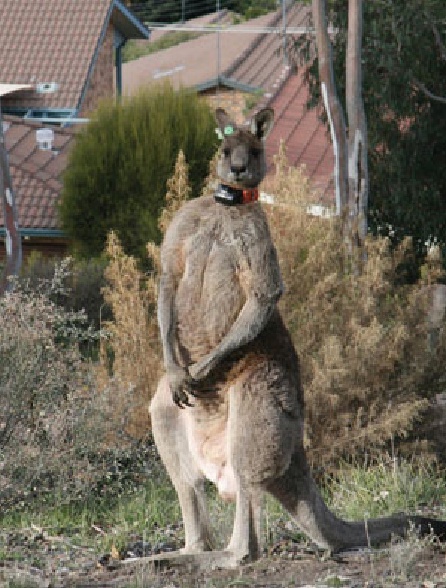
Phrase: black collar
(231, 196)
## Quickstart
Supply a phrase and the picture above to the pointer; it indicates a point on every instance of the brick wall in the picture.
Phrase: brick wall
(102, 78)
(47, 247)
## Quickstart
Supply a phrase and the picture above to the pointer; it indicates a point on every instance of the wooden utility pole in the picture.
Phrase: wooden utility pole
(13, 240)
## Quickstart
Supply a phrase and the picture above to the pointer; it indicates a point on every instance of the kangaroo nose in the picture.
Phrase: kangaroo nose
(238, 168)
(239, 160)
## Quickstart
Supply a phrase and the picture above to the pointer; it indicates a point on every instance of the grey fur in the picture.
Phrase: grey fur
(230, 406)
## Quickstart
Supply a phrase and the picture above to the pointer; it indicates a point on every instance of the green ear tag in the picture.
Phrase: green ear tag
(229, 130)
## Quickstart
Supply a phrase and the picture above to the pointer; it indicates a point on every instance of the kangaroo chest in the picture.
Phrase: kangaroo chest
(211, 291)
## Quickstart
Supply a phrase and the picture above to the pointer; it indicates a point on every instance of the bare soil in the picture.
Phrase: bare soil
(53, 562)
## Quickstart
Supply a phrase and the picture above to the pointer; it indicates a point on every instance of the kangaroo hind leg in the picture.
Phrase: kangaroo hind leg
(261, 437)
(245, 543)
(170, 435)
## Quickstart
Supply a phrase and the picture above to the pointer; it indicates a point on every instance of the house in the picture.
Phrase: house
(58, 59)
(204, 63)
(305, 137)
(36, 175)
(242, 68)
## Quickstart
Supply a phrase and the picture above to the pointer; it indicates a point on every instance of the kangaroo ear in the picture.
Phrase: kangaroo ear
(262, 123)
(226, 125)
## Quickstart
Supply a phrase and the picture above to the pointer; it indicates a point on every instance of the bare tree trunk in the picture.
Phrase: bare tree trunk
(12, 234)
(350, 149)
(357, 128)
(332, 104)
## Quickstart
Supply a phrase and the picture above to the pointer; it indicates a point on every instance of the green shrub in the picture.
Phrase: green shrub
(116, 177)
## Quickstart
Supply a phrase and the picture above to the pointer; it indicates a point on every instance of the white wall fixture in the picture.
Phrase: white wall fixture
(45, 138)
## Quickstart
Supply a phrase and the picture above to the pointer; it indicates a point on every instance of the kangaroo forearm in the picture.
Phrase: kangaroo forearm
(166, 321)
(250, 322)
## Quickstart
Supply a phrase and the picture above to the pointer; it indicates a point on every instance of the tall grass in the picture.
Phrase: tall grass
(384, 486)
(136, 49)
(130, 355)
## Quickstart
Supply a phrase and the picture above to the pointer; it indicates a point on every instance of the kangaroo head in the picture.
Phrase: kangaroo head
(242, 162)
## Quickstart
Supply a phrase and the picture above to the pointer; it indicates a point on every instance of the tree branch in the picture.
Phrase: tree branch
(428, 93)
(441, 46)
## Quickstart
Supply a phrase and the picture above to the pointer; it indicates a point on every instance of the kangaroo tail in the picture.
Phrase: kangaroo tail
(298, 493)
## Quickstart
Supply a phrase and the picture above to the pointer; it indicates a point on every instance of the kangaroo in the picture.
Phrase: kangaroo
(230, 406)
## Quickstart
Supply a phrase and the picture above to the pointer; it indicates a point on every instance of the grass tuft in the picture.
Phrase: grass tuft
(386, 486)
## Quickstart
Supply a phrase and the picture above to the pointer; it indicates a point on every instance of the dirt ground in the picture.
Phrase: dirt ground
(46, 562)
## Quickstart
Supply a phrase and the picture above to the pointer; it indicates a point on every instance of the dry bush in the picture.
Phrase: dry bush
(211, 181)
(362, 340)
(367, 368)
(84, 282)
(178, 191)
(130, 356)
(131, 359)
(50, 418)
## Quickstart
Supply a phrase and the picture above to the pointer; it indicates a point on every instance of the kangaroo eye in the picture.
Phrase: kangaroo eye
(255, 152)
(226, 152)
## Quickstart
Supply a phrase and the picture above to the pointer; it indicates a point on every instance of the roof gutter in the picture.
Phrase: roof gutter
(122, 34)
(38, 233)
(125, 16)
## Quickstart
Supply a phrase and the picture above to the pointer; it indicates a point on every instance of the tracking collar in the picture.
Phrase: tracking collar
(232, 196)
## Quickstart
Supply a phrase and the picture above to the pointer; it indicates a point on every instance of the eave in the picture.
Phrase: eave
(37, 233)
(227, 83)
(127, 23)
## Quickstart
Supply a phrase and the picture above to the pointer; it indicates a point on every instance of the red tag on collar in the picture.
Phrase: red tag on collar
(251, 195)
(233, 196)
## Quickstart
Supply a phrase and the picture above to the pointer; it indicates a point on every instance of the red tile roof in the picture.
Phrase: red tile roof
(255, 61)
(50, 41)
(36, 174)
(304, 134)
(262, 64)
(193, 62)
(46, 41)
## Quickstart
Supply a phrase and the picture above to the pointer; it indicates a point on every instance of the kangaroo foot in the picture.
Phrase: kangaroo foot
(205, 561)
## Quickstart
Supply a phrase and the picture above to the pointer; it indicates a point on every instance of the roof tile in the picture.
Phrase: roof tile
(36, 174)
(306, 137)
(37, 37)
